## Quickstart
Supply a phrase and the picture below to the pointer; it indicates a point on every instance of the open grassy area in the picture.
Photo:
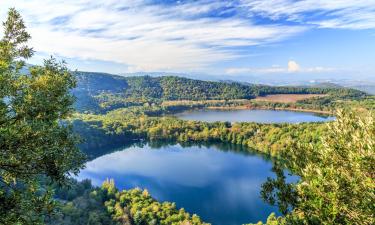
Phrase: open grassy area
(287, 98)
(203, 102)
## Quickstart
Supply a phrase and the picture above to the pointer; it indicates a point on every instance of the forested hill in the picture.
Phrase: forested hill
(95, 89)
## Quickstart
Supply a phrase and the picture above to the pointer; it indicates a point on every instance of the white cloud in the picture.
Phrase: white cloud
(293, 66)
(320, 69)
(180, 37)
(145, 37)
(345, 14)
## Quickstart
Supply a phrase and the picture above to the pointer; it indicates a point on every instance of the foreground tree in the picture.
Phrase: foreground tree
(337, 178)
(339, 183)
(35, 140)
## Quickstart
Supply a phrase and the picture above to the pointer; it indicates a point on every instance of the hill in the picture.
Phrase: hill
(96, 92)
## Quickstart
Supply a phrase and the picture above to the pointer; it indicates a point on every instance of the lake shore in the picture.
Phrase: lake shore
(269, 108)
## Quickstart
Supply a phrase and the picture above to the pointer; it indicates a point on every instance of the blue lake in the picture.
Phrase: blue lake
(253, 115)
(221, 186)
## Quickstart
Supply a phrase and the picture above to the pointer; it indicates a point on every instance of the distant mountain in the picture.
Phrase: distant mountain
(364, 83)
(199, 76)
(326, 85)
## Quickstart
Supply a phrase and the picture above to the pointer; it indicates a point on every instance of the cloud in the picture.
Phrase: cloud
(293, 66)
(183, 36)
(344, 14)
(144, 36)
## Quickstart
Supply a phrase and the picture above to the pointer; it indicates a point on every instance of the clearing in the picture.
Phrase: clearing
(287, 98)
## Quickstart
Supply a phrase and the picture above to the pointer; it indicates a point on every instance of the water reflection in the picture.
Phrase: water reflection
(223, 187)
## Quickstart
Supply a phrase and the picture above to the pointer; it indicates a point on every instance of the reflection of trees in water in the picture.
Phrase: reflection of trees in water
(276, 191)
(221, 146)
(95, 152)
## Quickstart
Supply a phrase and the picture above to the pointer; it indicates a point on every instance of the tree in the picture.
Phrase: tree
(338, 184)
(337, 178)
(36, 141)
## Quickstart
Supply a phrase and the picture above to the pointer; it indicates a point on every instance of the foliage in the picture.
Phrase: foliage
(84, 204)
(137, 207)
(339, 180)
(326, 104)
(79, 204)
(34, 139)
(123, 125)
(276, 191)
(336, 178)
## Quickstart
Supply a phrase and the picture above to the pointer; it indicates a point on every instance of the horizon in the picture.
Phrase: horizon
(277, 41)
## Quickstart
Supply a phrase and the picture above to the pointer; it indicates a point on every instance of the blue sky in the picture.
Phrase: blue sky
(307, 38)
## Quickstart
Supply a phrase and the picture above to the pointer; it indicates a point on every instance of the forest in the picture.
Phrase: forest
(136, 123)
(51, 118)
(86, 204)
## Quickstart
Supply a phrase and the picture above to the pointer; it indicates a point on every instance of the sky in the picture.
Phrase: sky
(310, 39)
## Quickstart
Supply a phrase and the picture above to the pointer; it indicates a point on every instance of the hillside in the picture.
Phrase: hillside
(98, 91)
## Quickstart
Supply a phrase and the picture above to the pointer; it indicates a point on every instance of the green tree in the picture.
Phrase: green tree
(338, 183)
(35, 139)
(337, 178)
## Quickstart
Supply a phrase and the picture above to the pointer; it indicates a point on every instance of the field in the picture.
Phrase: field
(203, 102)
(287, 98)
(282, 98)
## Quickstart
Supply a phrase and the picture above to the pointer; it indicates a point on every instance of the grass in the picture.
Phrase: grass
(287, 98)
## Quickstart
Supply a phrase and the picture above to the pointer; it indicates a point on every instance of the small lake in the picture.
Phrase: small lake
(221, 186)
(253, 115)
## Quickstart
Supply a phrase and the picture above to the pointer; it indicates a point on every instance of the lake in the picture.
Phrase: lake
(253, 115)
(221, 186)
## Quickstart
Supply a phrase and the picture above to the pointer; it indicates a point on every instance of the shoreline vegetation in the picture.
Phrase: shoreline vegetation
(270, 108)
(304, 103)
(149, 123)
(246, 104)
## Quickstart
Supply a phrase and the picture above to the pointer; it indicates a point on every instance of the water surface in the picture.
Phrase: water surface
(222, 187)
(253, 115)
